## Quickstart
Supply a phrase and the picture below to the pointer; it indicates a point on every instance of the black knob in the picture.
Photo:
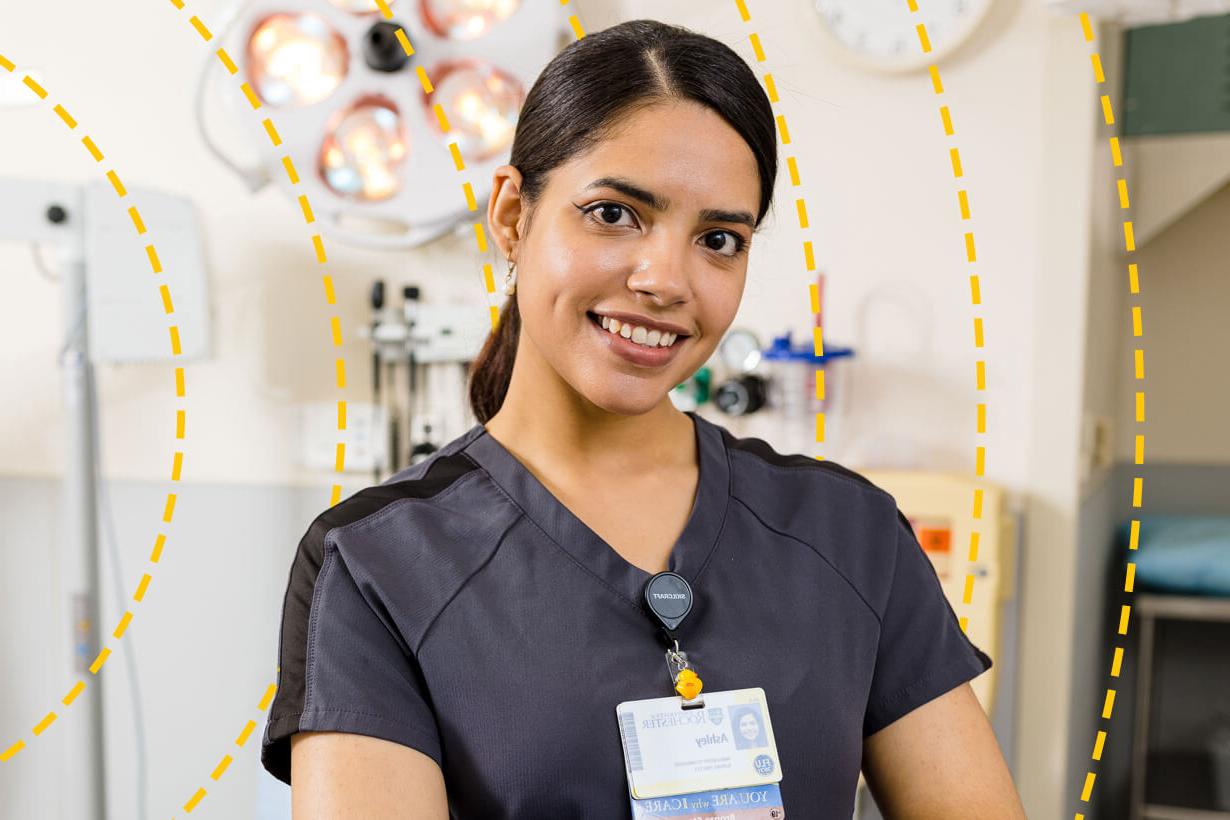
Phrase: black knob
(741, 396)
(57, 214)
(381, 50)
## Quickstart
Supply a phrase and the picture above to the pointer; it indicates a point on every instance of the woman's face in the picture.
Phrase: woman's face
(595, 247)
(748, 726)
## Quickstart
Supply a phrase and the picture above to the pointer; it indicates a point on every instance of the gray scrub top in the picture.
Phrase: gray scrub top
(460, 609)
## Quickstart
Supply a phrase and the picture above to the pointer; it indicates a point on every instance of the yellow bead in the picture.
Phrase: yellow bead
(687, 684)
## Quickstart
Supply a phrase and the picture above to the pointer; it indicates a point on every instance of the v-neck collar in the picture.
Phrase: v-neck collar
(690, 553)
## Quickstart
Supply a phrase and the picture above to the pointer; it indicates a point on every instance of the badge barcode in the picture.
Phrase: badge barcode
(627, 727)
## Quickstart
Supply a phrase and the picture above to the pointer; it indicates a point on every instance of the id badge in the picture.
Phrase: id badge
(722, 756)
(748, 803)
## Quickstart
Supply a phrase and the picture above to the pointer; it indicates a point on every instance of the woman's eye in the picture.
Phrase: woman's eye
(724, 243)
(727, 244)
(608, 213)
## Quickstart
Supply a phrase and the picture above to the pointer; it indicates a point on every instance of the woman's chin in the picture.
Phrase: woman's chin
(633, 402)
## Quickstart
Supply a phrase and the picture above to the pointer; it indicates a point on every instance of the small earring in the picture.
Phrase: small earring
(510, 283)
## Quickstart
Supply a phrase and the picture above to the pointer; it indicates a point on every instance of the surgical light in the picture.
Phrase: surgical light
(369, 130)
(481, 103)
(296, 59)
(362, 151)
(466, 19)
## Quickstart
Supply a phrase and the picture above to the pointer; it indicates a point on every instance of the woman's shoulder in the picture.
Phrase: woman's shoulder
(758, 468)
(846, 519)
(412, 541)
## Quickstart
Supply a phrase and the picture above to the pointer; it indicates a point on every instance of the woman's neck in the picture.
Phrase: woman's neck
(597, 443)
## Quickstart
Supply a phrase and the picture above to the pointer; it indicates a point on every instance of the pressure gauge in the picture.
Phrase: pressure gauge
(740, 350)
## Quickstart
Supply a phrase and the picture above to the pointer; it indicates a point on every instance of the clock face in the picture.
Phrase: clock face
(881, 33)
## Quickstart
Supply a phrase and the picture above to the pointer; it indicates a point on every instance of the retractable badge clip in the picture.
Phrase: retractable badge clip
(669, 598)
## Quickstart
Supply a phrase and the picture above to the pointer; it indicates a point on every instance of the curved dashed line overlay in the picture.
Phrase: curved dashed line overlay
(809, 256)
(975, 292)
(1138, 361)
(178, 461)
(480, 238)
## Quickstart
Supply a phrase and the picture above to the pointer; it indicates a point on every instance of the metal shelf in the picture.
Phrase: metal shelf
(1184, 607)
(1151, 608)
(1155, 812)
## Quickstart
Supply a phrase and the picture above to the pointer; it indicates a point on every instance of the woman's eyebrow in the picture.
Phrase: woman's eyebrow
(661, 203)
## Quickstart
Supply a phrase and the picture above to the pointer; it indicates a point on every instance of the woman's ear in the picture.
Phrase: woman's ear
(505, 208)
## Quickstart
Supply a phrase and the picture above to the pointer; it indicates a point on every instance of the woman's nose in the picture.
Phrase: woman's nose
(662, 269)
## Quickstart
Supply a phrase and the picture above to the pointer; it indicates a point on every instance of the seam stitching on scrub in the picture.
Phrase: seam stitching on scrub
(290, 574)
(313, 621)
(414, 728)
(376, 515)
(387, 509)
(717, 539)
(384, 718)
(840, 574)
(558, 546)
(864, 485)
(486, 562)
(910, 688)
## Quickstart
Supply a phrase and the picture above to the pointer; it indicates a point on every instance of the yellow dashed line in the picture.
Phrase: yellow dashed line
(77, 689)
(100, 660)
(89, 146)
(123, 624)
(253, 100)
(114, 179)
(274, 137)
(141, 588)
(12, 750)
(307, 209)
(104, 652)
(227, 62)
(245, 734)
(781, 127)
(441, 117)
(35, 87)
(428, 88)
(221, 767)
(200, 28)
(64, 115)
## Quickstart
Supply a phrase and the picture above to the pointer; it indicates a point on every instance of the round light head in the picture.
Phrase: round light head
(361, 6)
(363, 147)
(295, 59)
(466, 19)
(481, 104)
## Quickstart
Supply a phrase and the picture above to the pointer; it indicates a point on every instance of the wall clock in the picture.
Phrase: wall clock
(880, 35)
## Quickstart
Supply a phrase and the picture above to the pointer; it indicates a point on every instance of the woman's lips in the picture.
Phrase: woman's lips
(632, 352)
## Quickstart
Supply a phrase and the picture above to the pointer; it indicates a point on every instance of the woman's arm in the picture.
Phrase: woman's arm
(941, 762)
(339, 774)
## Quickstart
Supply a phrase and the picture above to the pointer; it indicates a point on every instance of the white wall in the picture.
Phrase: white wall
(1184, 299)
(881, 196)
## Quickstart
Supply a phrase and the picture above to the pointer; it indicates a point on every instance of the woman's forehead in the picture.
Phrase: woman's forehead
(706, 167)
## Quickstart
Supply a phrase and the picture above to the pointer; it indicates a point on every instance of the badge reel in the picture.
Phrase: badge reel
(669, 598)
(697, 757)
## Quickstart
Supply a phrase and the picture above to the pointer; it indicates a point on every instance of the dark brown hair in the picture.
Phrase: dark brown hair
(579, 98)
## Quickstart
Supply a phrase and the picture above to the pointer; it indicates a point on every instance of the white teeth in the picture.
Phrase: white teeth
(639, 335)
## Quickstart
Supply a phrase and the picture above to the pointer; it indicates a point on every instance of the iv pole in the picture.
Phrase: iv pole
(53, 213)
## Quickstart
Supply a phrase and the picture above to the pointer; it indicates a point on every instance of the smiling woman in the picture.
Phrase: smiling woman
(456, 641)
